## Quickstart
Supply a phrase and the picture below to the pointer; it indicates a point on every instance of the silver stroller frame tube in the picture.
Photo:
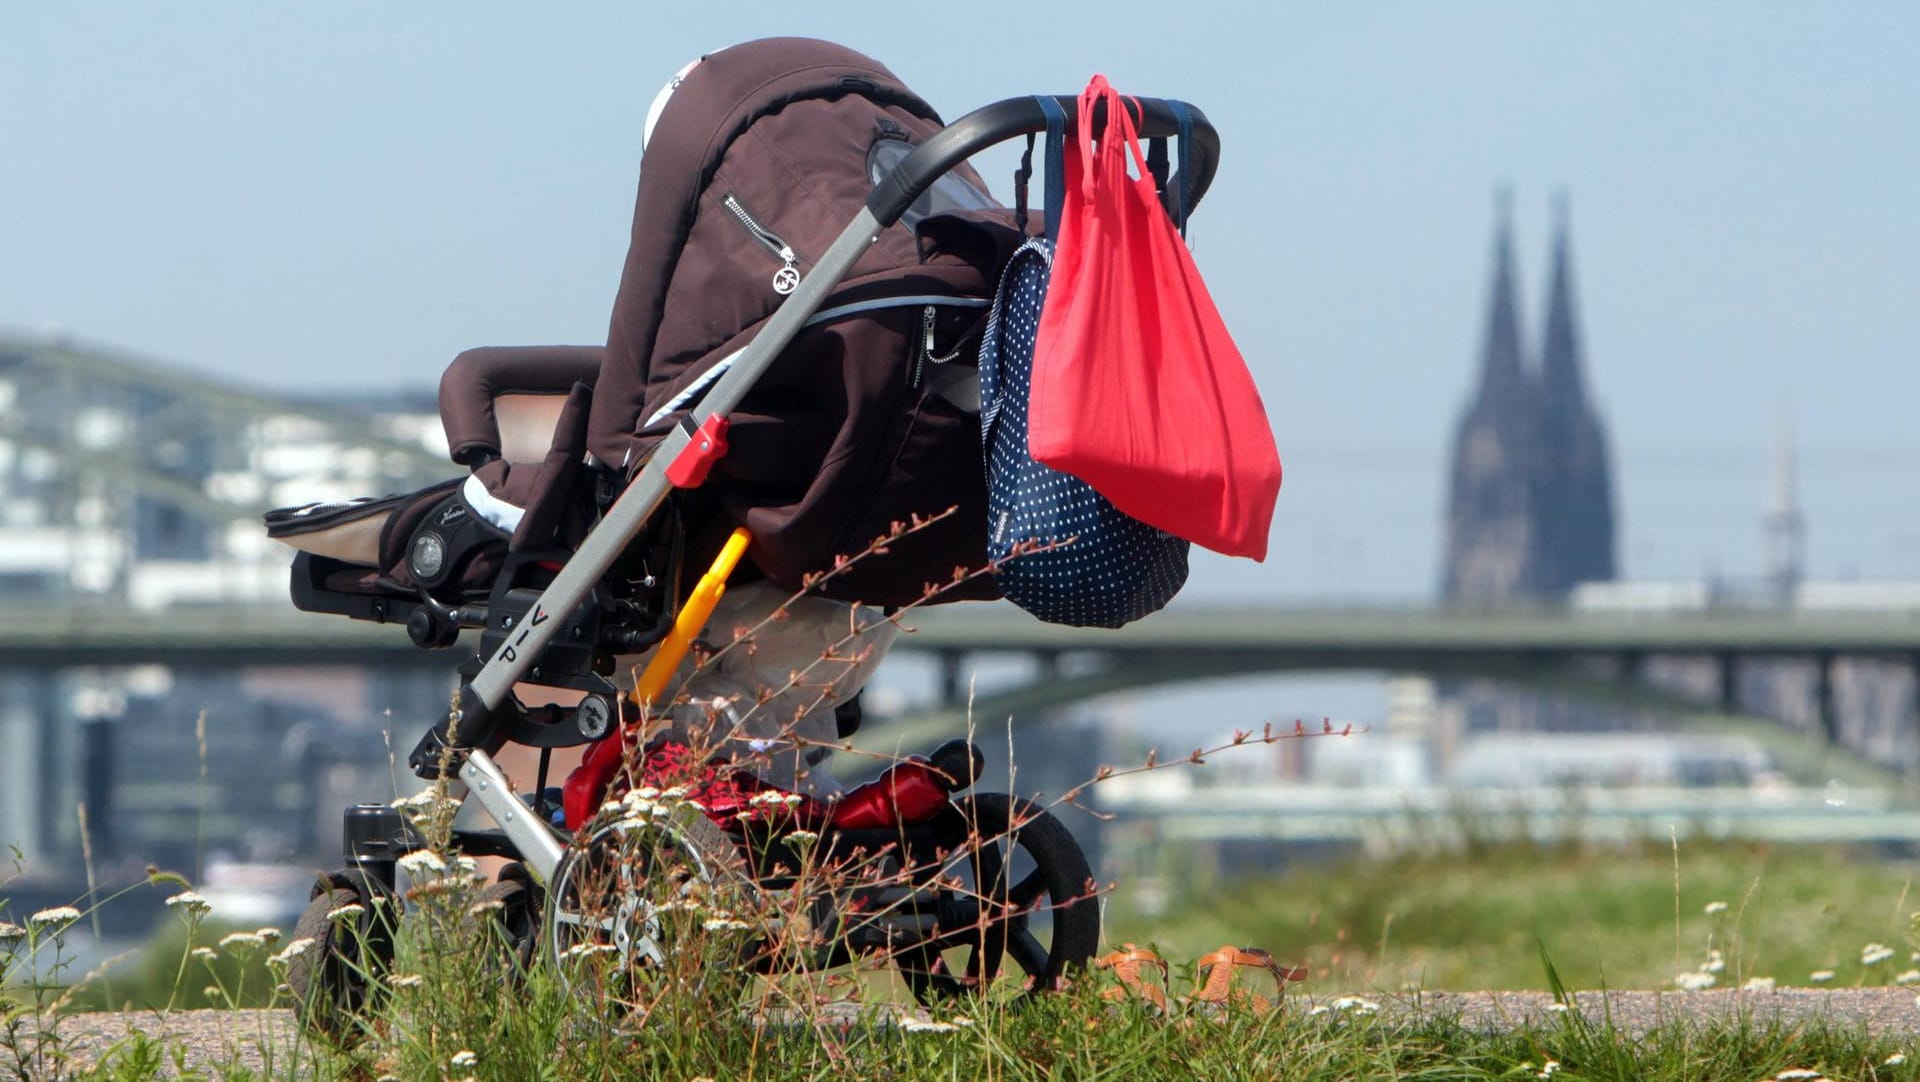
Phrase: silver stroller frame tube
(489, 688)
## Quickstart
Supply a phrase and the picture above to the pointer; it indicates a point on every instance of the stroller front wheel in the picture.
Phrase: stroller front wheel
(1027, 881)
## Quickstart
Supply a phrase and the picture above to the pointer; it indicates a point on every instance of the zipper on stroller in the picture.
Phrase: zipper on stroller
(925, 352)
(787, 278)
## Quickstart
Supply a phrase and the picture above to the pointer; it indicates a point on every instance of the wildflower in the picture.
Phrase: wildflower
(1757, 984)
(342, 912)
(767, 798)
(1547, 1068)
(1558, 1008)
(293, 950)
(420, 801)
(205, 954)
(1911, 976)
(11, 934)
(59, 914)
(1820, 976)
(1695, 981)
(581, 950)
(1713, 908)
(1894, 1060)
(726, 924)
(1874, 953)
(421, 862)
(802, 838)
(1795, 1074)
(239, 941)
(1354, 1005)
(1715, 963)
(190, 903)
(915, 1025)
(405, 980)
(463, 1058)
(211, 991)
(269, 936)
(484, 906)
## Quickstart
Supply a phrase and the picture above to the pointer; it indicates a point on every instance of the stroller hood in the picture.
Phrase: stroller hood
(760, 157)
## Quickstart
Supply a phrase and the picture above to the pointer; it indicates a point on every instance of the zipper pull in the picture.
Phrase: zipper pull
(925, 348)
(787, 278)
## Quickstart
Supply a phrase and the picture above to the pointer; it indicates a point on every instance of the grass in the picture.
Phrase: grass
(1606, 913)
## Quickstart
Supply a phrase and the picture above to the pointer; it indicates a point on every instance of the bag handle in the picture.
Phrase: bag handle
(1119, 119)
(1056, 178)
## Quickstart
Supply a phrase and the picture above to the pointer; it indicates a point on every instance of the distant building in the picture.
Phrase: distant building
(1530, 510)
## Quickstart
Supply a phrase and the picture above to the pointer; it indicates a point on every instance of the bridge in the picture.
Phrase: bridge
(1571, 651)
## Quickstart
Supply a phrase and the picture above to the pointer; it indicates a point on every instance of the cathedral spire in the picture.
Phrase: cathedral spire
(1560, 360)
(1500, 358)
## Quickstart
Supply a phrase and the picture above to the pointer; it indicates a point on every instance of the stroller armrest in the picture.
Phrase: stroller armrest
(502, 401)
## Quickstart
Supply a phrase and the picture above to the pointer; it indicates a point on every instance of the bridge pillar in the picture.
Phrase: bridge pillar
(950, 690)
(1631, 665)
(1823, 698)
(1728, 665)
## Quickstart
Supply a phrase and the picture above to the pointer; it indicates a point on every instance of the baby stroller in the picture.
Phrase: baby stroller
(771, 372)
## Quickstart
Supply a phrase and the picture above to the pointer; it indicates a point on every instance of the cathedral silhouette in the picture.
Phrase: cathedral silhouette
(1530, 511)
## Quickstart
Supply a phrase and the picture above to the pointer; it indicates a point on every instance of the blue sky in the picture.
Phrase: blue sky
(347, 195)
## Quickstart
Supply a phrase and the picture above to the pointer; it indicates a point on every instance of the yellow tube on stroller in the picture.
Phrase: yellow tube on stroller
(693, 616)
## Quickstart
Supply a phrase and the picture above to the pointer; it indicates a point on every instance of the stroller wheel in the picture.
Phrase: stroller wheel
(514, 910)
(636, 908)
(1029, 882)
(334, 979)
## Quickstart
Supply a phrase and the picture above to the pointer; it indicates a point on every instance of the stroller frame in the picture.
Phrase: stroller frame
(685, 454)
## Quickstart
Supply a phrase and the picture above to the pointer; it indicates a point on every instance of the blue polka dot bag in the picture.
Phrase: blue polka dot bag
(1082, 561)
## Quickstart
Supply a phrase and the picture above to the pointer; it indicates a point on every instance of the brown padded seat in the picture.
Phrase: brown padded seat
(497, 402)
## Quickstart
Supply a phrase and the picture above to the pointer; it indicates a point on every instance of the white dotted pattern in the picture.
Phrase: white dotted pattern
(1117, 569)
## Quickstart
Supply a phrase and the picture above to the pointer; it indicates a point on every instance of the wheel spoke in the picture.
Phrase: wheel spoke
(1027, 891)
(1027, 951)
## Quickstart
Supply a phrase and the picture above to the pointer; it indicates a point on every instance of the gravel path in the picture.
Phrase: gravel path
(260, 1039)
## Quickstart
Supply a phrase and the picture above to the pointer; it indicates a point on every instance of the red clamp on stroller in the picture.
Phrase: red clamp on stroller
(771, 367)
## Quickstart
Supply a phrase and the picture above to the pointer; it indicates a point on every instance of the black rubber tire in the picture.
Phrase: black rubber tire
(334, 980)
(516, 922)
(1059, 884)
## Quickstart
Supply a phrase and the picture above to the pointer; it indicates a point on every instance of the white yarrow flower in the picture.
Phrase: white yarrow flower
(1911, 976)
(342, 912)
(1695, 981)
(1795, 1074)
(1714, 907)
(269, 935)
(915, 1025)
(190, 903)
(1547, 1068)
(1558, 1008)
(1894, 1060)
(1354, 1005)
(802, 838)
(1715, 963)
(293, 950)
(1820, 976)
(239, 940)
(463, 1058)
(205, 954)
(405, 980)
(59, 914)
(1757, 984)
(423, 862)
(726, 924)
(11, 933)
(1874, 953)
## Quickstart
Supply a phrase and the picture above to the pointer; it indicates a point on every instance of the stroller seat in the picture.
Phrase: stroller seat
(515, 417)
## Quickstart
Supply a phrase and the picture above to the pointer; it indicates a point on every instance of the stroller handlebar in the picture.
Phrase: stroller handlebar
(1003, 120)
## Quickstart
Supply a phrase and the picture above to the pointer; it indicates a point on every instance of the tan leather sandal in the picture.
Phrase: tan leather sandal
(1215, 972)
(1126, 963)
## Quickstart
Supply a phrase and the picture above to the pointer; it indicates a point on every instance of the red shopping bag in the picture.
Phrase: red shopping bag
(1138, 390)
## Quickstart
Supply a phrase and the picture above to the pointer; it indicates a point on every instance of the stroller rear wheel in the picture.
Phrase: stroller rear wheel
(1027, 878)
(349, 947)
(626, 905)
